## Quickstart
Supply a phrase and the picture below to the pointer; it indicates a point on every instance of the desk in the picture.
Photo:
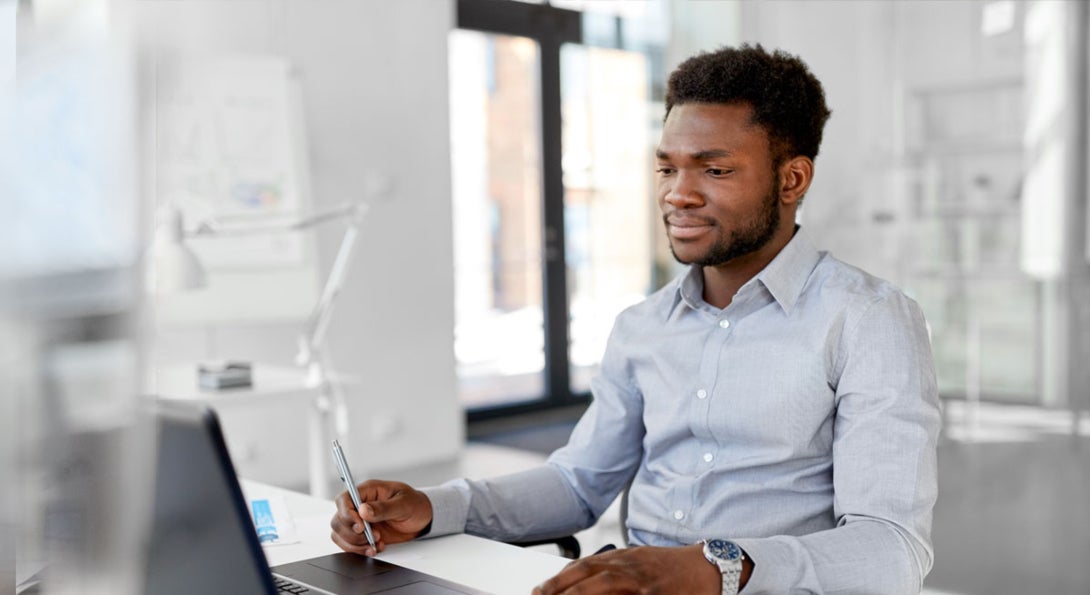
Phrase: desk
(472, 561)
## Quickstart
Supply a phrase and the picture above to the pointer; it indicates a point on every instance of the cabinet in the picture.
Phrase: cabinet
(264, 425)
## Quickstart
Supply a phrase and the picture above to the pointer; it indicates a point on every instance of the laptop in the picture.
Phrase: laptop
(203, 540)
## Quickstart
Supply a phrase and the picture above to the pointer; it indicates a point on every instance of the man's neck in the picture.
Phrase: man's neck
(722, 282)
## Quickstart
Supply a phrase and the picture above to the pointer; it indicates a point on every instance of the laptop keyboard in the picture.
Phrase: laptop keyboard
(283, 585)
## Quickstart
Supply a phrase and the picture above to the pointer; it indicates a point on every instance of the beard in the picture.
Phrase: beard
(756, 234)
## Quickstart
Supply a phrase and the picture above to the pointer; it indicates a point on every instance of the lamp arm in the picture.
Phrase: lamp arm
(318, 322)
(217, 227)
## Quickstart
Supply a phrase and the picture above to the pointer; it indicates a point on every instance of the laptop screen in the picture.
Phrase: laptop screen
(202, 539)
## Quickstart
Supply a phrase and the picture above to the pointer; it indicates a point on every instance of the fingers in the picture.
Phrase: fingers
(346, 510)
(631, 570)
(363, 549)
(378, 489)
(395, 511)
(348, 514)
(606, 581)
(403, 510)
(389, 510)
(573, 573)
(346, 534)
(385, 500)
(345, 520)
(348, 517)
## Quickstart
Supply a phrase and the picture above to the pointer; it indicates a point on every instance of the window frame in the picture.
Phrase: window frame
(551, 28)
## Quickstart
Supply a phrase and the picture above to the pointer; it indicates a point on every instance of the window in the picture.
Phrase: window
(499, 336)
(554, 218)
(608, 206)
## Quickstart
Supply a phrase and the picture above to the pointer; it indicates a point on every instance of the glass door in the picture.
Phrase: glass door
(499, 336)
(553, 212)
(609, 220)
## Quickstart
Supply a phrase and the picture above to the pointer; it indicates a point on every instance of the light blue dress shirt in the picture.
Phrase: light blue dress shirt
(800, 422)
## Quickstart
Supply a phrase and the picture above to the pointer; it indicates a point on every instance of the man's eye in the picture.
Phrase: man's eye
(719, 172)
(665, 171)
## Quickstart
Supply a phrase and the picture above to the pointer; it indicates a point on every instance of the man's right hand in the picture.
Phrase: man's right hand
(395, 510)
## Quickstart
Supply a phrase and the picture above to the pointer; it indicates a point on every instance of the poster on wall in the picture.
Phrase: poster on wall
(227, 154)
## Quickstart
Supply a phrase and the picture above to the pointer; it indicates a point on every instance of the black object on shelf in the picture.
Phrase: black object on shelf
(224, 375)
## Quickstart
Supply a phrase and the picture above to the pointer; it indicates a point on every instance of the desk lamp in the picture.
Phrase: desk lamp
(174, 267)
(177, 268)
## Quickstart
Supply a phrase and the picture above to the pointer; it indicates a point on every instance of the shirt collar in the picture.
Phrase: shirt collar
(691, 289)
(784, 277)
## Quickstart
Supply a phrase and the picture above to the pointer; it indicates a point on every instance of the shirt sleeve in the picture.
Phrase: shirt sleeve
(571, 491)
(884, 468)
(529, 505)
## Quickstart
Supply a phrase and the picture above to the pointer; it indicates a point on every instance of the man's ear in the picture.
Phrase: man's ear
(795, 177)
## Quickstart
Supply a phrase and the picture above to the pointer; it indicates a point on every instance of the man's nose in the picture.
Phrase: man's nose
(683, 193)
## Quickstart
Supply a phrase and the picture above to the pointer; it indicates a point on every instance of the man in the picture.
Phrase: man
(774, 409)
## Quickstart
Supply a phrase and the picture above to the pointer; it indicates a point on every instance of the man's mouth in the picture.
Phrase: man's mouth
(686, 228)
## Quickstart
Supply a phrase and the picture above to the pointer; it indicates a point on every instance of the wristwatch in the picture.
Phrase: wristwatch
(727, 557)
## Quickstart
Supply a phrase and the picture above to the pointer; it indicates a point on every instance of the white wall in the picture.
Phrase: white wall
(868, 55)
(701, 26)
(373, 77)
(848, 47)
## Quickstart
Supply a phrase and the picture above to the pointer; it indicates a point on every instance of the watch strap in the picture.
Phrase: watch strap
(730, 570)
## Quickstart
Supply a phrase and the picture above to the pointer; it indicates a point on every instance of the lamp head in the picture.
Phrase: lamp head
(173, 267)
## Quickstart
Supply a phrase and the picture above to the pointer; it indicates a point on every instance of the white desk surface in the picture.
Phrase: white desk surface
(472, 561)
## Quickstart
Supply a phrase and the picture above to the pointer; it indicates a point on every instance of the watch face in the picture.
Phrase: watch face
(724, 550)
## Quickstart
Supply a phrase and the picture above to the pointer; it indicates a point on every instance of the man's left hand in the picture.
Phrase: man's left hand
(642, 569)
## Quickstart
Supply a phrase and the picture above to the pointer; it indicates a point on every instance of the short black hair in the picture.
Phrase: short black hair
(787, 99)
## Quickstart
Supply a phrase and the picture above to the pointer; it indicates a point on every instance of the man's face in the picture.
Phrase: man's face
(716, 185)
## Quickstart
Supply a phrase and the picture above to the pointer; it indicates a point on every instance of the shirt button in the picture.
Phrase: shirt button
(702, 394)
(724, 323)
(708, 457)
(679, 515)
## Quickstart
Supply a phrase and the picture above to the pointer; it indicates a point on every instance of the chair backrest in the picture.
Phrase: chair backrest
(624, 513)
(568, 545)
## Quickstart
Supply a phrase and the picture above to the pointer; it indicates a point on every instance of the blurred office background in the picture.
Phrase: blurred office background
(504, 152)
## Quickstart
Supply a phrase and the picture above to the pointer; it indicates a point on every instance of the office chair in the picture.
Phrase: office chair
(568, 545)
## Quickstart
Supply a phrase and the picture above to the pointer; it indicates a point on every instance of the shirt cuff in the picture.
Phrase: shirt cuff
(449, 509)
(771, 563)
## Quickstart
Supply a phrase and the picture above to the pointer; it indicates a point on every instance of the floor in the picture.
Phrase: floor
(1013, 515)
(1014, 503)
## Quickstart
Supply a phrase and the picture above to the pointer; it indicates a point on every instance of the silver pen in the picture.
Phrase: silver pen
(346, 477)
